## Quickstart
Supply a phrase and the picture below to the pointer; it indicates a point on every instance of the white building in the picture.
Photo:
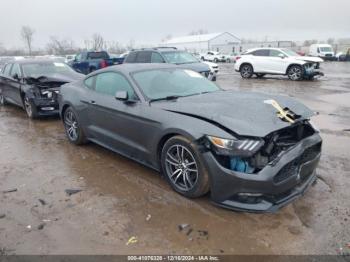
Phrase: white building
(222, 42)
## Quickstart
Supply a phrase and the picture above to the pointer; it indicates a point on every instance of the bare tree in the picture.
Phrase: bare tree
(310, 42)
(27, 36)
(116, 48)
(131, 44)
(330, 41)
(97, 41)
(60, 47)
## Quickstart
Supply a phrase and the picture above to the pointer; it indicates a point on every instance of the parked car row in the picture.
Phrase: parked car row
(252, 152)
(33, 84)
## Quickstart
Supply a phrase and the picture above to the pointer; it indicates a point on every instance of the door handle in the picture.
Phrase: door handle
(93, 102)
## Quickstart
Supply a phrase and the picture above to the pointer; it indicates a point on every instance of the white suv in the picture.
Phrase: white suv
(213, 56)
(277, 61)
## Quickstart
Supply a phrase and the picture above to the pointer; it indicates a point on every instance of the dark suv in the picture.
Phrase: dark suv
(172, 56)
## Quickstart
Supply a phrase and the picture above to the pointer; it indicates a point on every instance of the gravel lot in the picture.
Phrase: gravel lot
(121, 199)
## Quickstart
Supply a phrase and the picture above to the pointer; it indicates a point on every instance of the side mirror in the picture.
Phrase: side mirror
(122, 95)
(281, 56)
(15, 76)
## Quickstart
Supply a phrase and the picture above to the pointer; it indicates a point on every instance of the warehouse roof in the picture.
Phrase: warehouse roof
(196, 38)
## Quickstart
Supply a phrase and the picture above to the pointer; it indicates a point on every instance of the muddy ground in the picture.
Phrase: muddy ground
(121, 199)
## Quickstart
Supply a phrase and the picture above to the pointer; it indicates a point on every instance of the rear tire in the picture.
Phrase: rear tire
(73, 129)
(246, 71)
(183, 169)
(30, 108)
(295, 73)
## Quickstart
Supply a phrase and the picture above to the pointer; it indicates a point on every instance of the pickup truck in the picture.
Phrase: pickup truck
(89, 61)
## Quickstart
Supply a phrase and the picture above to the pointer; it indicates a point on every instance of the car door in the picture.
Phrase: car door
(210, 56)
(113, 123)
(259, 60)
(14, 84)
(277, 62)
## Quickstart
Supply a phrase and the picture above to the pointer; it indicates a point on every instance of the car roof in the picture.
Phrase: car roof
(135, 67)
(158, 49)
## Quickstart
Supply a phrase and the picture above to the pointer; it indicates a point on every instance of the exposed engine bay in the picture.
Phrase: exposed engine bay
(273, 147)
(45, 87)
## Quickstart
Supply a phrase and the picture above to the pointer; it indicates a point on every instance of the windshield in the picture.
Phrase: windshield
(326, 49)
(290, 52)
(40, 69)
(162, 83)
(179, 58)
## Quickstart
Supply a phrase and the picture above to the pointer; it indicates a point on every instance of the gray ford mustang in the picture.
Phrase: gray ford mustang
(252, 152)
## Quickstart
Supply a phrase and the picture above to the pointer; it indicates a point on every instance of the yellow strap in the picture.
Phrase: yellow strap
(282, 113)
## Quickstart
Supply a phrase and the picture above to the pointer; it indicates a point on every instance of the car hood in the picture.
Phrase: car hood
(210, 64)
(309, 59)
(198, 67)
(245, 114)
(66, 77)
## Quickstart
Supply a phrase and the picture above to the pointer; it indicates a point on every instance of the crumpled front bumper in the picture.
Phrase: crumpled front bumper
(261, 192)
(46, 106)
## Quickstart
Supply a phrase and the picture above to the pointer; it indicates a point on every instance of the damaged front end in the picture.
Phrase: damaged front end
(262, 174)
(43, 94)
(312, 69)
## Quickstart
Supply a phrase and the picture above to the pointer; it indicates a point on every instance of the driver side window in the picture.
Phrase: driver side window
(110, 83)
(16, 70)
(7, 69)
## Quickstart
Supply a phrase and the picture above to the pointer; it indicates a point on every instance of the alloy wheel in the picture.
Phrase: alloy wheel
(295, 73)
(71, 125)
(246, 71)
(181, 167)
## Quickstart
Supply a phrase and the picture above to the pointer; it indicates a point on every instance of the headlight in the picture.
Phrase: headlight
(238, 147)
(46, 93)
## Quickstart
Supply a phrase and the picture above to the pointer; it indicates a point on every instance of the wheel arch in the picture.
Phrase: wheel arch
(165, 137)
(24, 92)
(293, 64)
(246, 63)
(64, 108)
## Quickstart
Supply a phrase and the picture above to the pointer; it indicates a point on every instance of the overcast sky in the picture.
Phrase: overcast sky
(148, 21)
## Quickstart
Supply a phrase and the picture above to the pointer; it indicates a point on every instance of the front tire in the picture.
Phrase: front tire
(295, 73)
(246, 71)
(3, 101)
(73, 129)
(30, 107)
(183, 169)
